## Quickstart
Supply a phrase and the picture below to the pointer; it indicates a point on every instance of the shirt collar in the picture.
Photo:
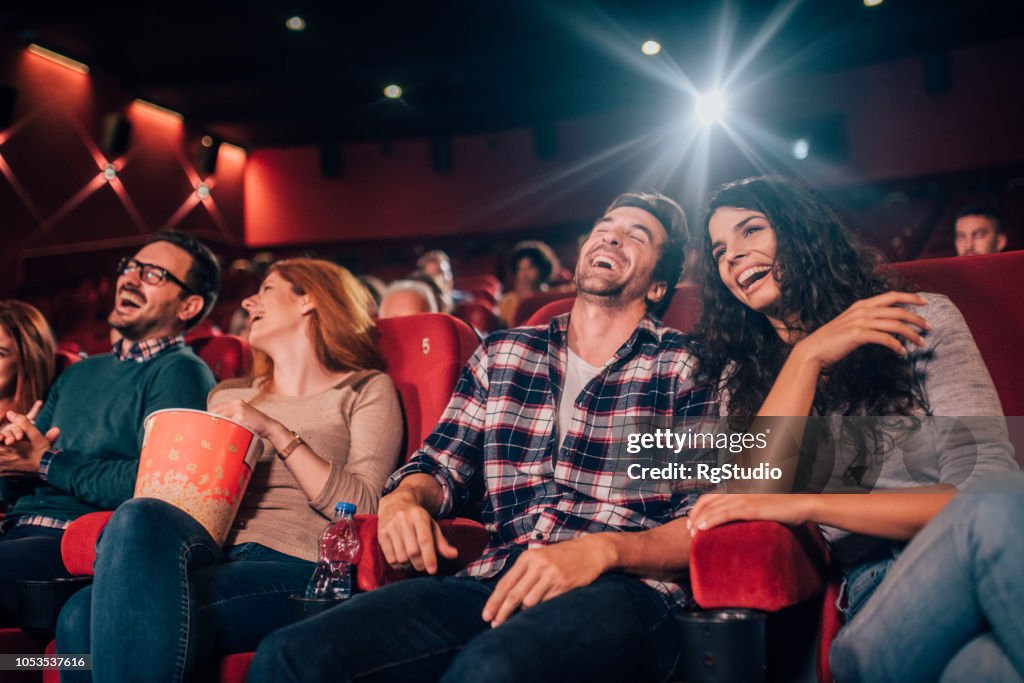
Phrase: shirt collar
(649, 327)
(147, 349)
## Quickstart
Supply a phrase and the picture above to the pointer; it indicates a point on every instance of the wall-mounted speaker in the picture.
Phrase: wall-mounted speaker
(330, 160)
(545, 141)
(206, 158)
(8, 96)
(117, 136)
(441, 154)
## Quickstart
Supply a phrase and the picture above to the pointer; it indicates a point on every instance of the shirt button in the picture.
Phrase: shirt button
(539, 536)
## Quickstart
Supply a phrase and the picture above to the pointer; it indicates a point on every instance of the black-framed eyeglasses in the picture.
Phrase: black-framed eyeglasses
(150, 274)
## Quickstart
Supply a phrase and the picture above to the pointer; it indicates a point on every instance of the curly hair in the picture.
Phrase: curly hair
(822, 269)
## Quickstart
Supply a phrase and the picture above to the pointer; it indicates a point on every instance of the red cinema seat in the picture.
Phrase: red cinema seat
(527, 307)
(469, 283)
(682, 313)
(424, 355)
(479, 315)
(227, 356)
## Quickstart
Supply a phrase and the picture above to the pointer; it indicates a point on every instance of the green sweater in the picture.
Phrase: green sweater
(100, 404)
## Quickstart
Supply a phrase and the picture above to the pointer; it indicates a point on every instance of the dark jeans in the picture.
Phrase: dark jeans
(166, 595)
(429, 629)
(27, 552)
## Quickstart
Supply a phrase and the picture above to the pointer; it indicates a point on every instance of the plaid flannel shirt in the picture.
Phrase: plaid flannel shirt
(140, 352)
(501, 425)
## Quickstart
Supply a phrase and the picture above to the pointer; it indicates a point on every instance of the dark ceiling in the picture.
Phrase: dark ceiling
(465, 65)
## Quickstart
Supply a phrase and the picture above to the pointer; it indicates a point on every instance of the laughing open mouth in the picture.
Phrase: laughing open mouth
(752, 275)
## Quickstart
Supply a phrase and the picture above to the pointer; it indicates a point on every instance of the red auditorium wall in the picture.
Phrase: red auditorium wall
(59, 209)
(895, 129)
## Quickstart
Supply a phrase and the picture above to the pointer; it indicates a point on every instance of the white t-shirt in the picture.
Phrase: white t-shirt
(578, 374)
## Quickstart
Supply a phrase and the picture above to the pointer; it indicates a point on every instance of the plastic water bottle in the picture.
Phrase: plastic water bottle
(339, 545)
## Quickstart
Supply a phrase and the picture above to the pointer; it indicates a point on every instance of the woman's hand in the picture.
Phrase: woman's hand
(244, 414)
(878, 320)
(714, 509)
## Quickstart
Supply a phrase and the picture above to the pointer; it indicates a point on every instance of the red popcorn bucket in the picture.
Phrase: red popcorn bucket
(198, 462)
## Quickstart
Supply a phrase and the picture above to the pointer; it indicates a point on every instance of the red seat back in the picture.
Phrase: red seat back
(227, 357)
(424, 354)
(982, 288)
(682, 313)
(479, 315)
(468, 283)
(530, 305)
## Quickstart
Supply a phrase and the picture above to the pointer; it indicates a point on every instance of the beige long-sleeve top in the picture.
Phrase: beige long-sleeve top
(356, 426)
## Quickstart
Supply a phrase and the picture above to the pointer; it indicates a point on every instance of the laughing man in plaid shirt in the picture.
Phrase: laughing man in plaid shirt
(560, 592)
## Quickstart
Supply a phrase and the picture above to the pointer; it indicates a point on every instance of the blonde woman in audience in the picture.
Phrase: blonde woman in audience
(165, 594)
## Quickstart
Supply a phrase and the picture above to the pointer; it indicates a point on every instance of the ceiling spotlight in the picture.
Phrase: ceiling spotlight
(392, 92)
(872, 3)
(710, 107)
(801, 148)
(650, 48)
(295, 23)
(109, 172)
(203, 190)
(206, 141)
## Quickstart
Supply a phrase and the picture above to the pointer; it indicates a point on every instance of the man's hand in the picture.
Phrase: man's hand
(714, 509)
(409, 536)
(10, 432)
(24, 455)
(544, 573)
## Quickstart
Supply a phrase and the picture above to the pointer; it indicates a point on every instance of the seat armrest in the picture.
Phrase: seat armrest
(78, 546)
(757, 565)
(373, 571)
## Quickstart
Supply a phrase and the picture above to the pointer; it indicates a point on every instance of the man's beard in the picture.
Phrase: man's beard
(134, 330)
(609, 294)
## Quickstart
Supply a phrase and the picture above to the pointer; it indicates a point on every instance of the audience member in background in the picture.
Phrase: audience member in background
(375, 287)
(561, 592)
(166, 594)
(979, 230)
(408, 297)
(530, 265)
(797, 321)
(240, 323)
(84, 446)
(27, 359)
(438, 265)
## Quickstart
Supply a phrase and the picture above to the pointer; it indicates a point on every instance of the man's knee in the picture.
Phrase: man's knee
(848, 657)
(288, 655)
(73, 623)
(138, 517)
(489, 663)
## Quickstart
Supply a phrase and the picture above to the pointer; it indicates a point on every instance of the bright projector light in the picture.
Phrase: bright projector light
(710, 107)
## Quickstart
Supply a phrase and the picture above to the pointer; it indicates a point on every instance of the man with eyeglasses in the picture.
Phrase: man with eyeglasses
(84, 443)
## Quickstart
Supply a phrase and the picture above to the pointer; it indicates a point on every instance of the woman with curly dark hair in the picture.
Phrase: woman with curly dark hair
(797, 321)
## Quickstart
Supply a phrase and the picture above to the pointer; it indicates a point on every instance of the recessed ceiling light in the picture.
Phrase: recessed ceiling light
(109, 172)
(801, 148)
(203, 190)
(206, 141)
(295, 23)
(650, 47)
(710, 107)
(392, 91)
(872, 3)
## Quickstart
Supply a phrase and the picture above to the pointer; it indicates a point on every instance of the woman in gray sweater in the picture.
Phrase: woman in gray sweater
(798, 322)
(165, 593)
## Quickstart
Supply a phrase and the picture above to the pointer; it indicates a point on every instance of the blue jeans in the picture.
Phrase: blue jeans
(429, 629)
(166, 595)
(951, 607)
